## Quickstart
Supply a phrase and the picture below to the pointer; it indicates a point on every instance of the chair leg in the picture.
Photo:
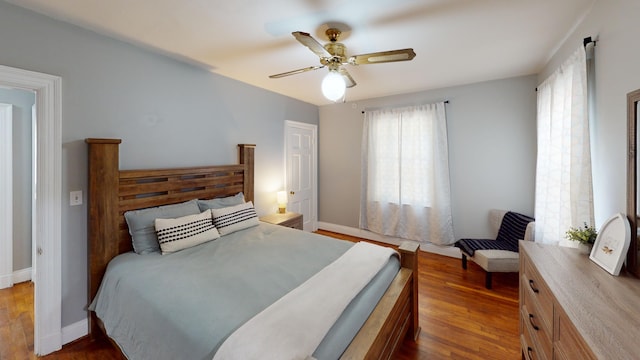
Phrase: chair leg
(487, 280)
(464, 261)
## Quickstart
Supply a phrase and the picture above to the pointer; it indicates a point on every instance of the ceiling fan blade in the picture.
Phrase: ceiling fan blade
(313, 45)
(294, 72)
(382, 57)
(348, 80)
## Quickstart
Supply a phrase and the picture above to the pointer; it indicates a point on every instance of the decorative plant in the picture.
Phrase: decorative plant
(586, 235)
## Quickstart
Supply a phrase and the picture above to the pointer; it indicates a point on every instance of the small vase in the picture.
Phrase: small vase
(585, 248)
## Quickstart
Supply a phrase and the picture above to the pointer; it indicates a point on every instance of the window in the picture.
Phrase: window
(564, 191)
(405, 178)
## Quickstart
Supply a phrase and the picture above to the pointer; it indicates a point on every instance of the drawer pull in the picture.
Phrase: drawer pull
(529, 352)
(532, 286)
(535, 327)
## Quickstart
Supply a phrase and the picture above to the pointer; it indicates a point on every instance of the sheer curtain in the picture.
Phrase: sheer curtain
(564, 191)
(405, 174)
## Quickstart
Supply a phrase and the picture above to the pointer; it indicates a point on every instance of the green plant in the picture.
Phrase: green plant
(584, 235)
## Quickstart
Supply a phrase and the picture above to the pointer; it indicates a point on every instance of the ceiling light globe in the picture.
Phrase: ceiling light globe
(333, 86)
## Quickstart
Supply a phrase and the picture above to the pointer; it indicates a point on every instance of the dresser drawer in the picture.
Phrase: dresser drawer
(537, 297)
(295, 223)
(538, 339)
(535, 316)
(530, 350)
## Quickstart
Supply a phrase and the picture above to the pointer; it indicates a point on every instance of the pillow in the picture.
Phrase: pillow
(142, 223)
(185, 232)
(219, 203)
(234, 218)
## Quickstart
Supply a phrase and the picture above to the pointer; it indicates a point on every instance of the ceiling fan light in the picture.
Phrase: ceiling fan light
(333, 86)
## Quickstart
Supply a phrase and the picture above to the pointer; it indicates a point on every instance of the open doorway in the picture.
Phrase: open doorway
(16, 220)
(16, 179)
(47, 209)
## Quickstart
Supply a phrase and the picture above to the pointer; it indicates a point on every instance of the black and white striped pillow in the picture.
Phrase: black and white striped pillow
(234, 218)
(184, 232)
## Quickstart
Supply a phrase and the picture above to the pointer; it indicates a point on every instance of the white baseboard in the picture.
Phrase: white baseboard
(22, 275)
(16, 277)
(6, 281)
(49, 343)
(75, 331)
(450, 251)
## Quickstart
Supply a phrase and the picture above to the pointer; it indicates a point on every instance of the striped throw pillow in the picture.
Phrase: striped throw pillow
(234, 218)
(185, 232)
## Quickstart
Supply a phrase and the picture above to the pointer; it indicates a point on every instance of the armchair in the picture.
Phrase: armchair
(501, 254)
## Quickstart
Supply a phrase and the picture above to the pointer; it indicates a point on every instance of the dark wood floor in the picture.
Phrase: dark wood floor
(460, 319)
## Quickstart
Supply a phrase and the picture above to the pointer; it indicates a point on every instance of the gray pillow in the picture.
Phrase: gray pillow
(142, 223)
(219, 203)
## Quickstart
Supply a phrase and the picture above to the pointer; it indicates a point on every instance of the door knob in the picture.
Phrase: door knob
(292, 192)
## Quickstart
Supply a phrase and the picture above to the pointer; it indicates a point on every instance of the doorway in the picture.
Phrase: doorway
(47, 209)
(16, 178)
(301, 171)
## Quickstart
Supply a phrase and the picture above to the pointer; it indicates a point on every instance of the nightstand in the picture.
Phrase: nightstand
(288, 219)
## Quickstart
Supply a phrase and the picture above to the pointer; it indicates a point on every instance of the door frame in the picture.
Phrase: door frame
(289, 124)
(6, 195)
(48, 209)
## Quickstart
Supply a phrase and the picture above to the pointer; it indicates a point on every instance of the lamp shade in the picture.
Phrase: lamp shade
(282, 197)
(333, 86)
(282, 201)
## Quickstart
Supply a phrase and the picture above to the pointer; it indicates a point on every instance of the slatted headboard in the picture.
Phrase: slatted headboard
(112, 192)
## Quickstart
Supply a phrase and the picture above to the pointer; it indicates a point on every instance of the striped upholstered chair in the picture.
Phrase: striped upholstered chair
(499, 254)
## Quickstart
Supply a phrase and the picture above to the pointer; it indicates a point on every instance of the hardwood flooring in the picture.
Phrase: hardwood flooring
(16, 321)
(460, 319)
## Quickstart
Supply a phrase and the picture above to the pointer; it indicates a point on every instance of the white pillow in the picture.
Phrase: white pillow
(184, 232)
(234, 218)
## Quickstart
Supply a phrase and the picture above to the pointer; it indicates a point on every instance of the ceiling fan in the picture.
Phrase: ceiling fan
(333, 55)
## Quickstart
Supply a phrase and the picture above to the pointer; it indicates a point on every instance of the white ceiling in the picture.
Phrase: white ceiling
(456, 41)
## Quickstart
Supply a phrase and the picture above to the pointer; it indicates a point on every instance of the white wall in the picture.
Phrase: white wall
(492, 151)
(615, 24)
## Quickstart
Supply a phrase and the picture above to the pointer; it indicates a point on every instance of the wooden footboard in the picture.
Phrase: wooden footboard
(396, 315)
(113, 191)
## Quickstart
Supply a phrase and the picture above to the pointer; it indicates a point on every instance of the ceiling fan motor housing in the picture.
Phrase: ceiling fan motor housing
(337, 50)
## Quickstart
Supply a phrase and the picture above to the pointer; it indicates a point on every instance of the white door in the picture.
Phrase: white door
(300, 167)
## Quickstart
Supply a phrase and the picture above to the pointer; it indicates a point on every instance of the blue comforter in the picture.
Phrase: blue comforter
(184, 305)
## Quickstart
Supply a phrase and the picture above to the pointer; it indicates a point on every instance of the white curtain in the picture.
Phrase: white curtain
(405, 174)
(564, 191)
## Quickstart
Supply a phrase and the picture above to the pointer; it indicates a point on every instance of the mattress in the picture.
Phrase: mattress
(184, 305)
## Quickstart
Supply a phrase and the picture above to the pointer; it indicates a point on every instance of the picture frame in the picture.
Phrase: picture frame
(611, 246)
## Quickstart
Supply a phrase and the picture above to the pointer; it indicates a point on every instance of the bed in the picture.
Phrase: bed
(112, 192)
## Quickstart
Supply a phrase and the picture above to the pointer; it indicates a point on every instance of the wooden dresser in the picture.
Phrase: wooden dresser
(570, 308)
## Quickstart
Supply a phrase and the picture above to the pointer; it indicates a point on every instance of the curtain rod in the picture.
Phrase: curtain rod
(586, 41)
(446, 102)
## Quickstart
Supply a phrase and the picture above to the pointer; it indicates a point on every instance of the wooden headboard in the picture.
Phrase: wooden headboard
(112, 192)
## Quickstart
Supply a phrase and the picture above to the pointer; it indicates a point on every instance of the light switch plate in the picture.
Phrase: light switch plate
(75, 198)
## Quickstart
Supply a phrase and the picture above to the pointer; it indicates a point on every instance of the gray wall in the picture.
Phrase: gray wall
(492, 151)
(22, 102)
(167, 113)
(614, 23)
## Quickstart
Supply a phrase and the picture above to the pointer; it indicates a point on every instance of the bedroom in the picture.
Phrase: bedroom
(133, 102)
